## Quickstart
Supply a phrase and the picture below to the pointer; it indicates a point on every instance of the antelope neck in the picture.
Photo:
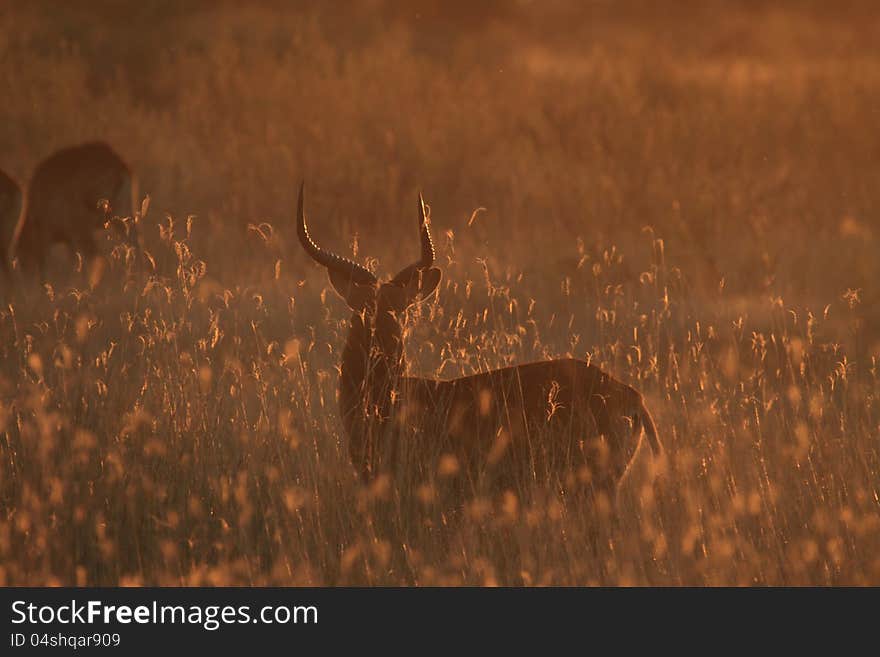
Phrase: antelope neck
(372, 361)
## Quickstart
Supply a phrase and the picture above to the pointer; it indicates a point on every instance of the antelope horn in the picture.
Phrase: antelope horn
(330, 260)
(425, 233)
(427, 258)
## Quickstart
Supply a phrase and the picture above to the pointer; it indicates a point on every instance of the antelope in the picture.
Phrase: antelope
(73, 193)
(10, 210)
(558, 418)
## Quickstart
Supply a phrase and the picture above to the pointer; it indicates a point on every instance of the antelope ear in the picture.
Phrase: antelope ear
(421, 285)
(430, 279)
(357, 295)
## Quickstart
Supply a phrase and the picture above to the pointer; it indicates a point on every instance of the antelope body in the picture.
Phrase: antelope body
(558, 420)
(71, 195)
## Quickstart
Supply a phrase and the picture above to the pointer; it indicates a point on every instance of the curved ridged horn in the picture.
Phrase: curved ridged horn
(330, 260)
(425, 232)
(427, 257)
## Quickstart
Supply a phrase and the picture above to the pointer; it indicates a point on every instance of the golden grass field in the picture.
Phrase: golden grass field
(689, 196)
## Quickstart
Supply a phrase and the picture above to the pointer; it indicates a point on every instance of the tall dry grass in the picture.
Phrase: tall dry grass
(687, 198)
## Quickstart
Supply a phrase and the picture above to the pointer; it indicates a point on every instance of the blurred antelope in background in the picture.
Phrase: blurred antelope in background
(11, 201)
(551, 421)
(72, 194)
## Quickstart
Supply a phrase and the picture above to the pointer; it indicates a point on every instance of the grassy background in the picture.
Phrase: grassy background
(685, 194)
